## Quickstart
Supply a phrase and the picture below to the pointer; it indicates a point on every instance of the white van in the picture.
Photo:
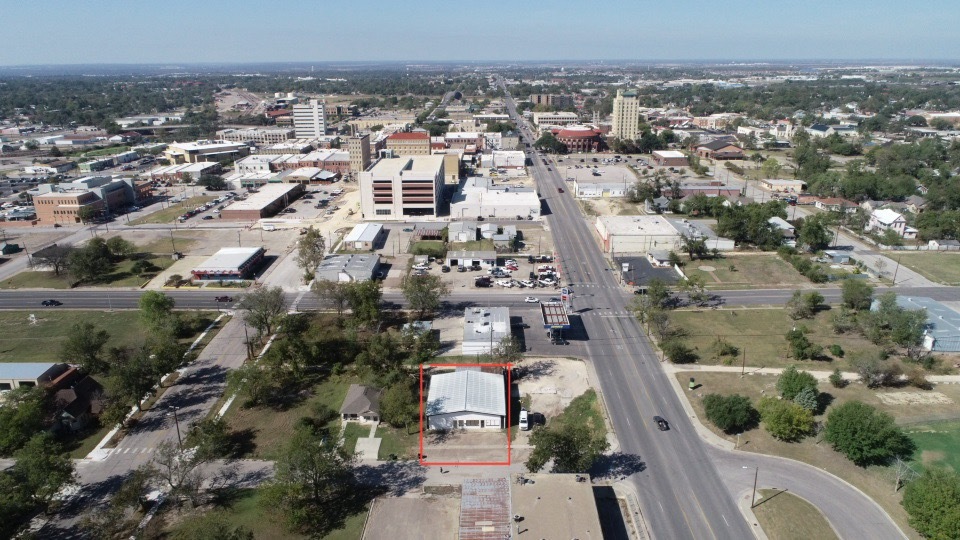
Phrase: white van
(524, 420)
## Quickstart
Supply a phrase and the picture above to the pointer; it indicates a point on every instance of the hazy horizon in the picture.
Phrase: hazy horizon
(112, 32)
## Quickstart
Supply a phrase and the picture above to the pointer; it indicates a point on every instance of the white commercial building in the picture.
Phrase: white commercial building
(555, 118)
(509, 159)
(466, 399)
(364, 236)
(481, 198)
(597, 187)
(260, 136)
(310, 119)
(645, 234)
(484, 329)
(398, 188)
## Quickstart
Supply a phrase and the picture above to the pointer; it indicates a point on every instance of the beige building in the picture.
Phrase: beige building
(626, 115)
(358, 146)
(414, 143)
(259, 136)
(195, 152)
(398, 188)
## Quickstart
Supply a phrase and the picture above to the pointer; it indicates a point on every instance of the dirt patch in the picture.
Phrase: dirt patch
(914, 398)
(706, 268)
(552, 383)
(462, 446)
(929, 457)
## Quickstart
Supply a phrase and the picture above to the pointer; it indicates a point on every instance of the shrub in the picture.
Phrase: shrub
(837, 380)
(802, 348)
(865, 435)
(791, 382)
(732, 414)
(785, 420)
(876, 372)
(678, 352)
(933, 502)
(836, 350)
(808, 398)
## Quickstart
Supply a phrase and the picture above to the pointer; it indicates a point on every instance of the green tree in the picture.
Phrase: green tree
(424, 293)
(155, 308)
(21, 417)
(508, 351)
(678, 352)
(785, 420)
(549, 143)
(310, 251)
(573, 447)
(801, 347)
(87, 213)
(732, 414)
(334, 294)
(364, 300)
(315, 487)
(791, 382)
(399, 406)
(771, 168)
(933, 502)
(251, 381)
(42, 469)
(876, 372)
(212, 182)
(815, 234)
(262, 308)
(211, 438)
(120, 248)
(658, 292)
(808, 398)
(381, 359)
(91, 261)
(132, 375)
(856, 294)
(213, 527)
(866, 436)
(84, 346)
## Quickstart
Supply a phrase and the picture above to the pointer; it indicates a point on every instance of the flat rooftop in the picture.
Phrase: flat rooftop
(231, 258)
(556, 506)
(364, 232)
(638, 225)
(478, 323)
(266, 196)
(554, 314)
(485, 509)
(25, 371)
(669, 154)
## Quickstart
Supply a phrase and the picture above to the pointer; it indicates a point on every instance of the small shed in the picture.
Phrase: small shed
(837, 257)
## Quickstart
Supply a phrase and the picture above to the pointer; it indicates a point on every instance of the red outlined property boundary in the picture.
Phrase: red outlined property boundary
(509, 418)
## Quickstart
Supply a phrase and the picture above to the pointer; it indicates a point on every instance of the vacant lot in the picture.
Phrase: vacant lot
(940, 267)
(745, 272)
(759, 333)
(784, 516)
(40, 341)
(269, 429)
(408, 518)
(937, 444)
(171, 212)
(245, 509)
(875, 481)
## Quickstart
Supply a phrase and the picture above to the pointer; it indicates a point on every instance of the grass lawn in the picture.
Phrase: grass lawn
(937, 444)
(245, 510)
(940, 267)
(121, 276)
(748, 271)
(875, 481)
(397, 442)
(270, 429)
(784, 516)
(351, 432)
(105, 151)
(172, 212)
(426, 247)
(584, 409)
(40, 342)
(163, 246)
(759, 332)
(477, 245)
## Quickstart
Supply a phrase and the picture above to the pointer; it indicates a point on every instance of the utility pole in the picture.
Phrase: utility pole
(743, 364)
(177, 421)
(897, 269)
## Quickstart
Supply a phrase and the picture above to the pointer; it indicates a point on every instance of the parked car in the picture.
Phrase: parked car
(560, 189)
(461, 268)
(662, 424)
(444, 269)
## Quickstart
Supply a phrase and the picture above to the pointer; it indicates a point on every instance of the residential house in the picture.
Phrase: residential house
(836, 204)
(362, 404)
(886, 219)
(916, 204)
(789, 231)
(78, 404)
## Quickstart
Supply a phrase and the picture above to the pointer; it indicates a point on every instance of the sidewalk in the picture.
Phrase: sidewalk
(820, 375)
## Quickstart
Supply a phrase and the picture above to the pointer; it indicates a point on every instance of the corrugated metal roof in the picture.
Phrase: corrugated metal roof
(485, 509)
(467, 391)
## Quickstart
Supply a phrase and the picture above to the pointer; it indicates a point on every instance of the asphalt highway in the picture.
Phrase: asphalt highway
(680, 490)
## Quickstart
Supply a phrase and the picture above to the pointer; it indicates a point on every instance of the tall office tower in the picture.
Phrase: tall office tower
(626, 115)
(358, 146)
(310, 119)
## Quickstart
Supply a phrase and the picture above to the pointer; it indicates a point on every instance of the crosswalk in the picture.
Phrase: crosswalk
(117, 451)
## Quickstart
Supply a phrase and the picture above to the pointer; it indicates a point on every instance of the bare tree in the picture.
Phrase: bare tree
(335, 294)
(178, 470)
(262, 307)
(310, 250)
(55, 257)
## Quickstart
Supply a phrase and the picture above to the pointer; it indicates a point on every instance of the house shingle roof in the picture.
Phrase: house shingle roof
(361, 399)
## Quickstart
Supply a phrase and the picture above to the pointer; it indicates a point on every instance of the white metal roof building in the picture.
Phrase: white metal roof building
(231, 263)
(17, 374)
(484, 329)
(348, 268)
(268, 201)
(942, 332)
(481, 198)
(364, 236)
(466, 399)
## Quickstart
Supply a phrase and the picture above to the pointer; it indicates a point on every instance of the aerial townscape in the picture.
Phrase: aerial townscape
(405, 272)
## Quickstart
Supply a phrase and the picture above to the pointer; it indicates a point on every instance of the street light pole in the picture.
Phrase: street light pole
(753, 497)
(897, 269)
(176, 419)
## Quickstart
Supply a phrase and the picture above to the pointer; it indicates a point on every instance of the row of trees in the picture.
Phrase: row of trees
(93, 260)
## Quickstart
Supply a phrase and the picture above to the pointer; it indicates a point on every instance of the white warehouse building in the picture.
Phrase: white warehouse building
(482, 198)
(466, 399)
(645, 234)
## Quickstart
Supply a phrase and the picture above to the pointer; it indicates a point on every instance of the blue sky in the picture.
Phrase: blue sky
(179, 31)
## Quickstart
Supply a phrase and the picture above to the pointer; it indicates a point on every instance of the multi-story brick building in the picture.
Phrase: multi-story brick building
(398, 188)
